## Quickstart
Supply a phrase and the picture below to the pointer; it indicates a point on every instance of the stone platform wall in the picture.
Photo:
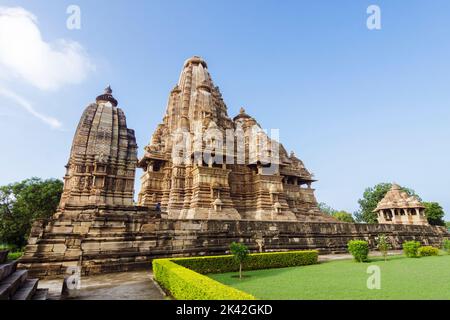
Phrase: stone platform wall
(121, 242)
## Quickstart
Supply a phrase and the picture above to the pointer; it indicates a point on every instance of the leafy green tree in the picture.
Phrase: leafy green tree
(23, 202)
(240, 253)
(448, 225)
(343, 216)
(383, 244)
(434, 213)
(370, 200)
(339, 215)
(326, 209)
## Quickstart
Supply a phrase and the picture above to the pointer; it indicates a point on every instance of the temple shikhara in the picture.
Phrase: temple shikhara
(224, 187)
(208, 180)
(102, 161)
(397, 207)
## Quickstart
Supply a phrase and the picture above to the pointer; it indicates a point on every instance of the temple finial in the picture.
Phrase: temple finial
(108, 90)
(107, 97)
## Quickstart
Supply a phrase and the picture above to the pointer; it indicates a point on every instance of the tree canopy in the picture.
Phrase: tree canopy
(340, 215)
(23, 202)
(343, 216)
(370, 200)
(434, 213)
(326, 209)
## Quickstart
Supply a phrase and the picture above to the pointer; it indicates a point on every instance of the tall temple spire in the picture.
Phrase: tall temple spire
(191, 189)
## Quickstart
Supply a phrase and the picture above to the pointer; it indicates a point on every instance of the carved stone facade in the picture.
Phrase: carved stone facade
(231, 168)
(102, 162)
(397, 207)
(130, 239)
(206, 204)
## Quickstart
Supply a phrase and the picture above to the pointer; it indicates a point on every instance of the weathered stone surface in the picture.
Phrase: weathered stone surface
(98, 228)
(397, 207)
(59, 248)
(221, 189)
(102, 161)
(127, 251)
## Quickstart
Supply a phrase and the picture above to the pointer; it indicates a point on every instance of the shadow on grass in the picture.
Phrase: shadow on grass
(244, 276)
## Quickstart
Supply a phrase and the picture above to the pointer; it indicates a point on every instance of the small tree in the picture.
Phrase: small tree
(446, 245)
(383, 245)
(240, 253)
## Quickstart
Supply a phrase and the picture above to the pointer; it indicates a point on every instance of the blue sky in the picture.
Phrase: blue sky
(358, 106)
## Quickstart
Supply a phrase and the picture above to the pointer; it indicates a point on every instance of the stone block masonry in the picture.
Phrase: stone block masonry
(206, 204)
(105, 249)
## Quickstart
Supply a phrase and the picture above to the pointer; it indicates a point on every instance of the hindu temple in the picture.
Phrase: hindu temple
(208, 180)
(397, 207)
(223, 187)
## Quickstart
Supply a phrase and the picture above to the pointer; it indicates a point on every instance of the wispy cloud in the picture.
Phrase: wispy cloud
(52, 122)
(25, 55)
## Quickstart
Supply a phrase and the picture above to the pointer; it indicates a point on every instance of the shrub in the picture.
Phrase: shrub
(255, 261)
(427, 251)
(185, 284)
(359, 249)
(446, 245)
(14, 255)
(410, 248)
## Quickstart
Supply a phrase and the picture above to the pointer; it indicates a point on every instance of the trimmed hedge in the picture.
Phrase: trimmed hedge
(185, 284)
(184, 279)
(255, 261)
(427, 251)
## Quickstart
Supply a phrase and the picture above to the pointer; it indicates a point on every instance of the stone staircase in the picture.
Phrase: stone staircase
(15, 284)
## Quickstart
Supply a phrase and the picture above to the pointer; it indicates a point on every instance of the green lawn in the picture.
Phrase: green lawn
(401, 278)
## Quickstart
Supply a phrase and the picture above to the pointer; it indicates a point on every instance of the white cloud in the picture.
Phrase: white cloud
(52, 122)
(25, 55)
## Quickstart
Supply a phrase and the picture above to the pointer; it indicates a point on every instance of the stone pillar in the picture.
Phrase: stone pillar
(394, 216)
(381, 216)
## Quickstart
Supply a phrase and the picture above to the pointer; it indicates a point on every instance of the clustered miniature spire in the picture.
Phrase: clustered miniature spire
(215, 190)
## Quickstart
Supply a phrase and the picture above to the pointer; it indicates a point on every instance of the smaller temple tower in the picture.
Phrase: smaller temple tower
(97, 197)
(397, 207)
(102, 162)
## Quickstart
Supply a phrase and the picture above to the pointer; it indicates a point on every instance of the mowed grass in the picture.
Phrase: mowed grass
(401, 278)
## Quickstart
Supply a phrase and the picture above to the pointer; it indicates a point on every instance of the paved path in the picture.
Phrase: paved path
(343, 256)
(114, 286)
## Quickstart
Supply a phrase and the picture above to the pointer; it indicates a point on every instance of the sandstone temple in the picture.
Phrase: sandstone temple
(397, 207)
(208, 180)
(220, 189)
